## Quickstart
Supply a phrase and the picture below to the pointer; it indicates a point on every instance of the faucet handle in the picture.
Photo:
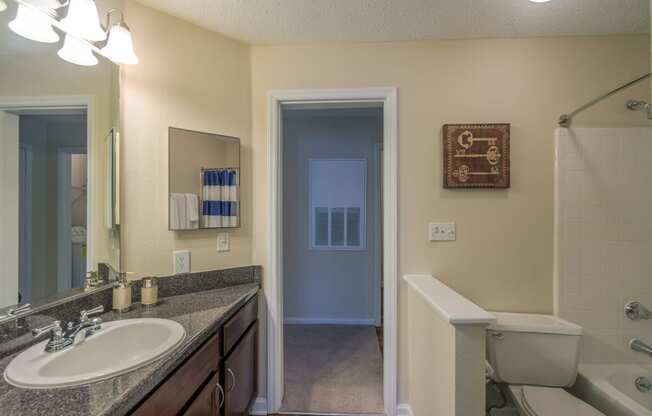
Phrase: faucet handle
(86, 313)
(54, 328)
(635, 311)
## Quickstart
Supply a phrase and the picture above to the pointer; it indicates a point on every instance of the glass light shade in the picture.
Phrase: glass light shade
(83, 21)
(77, 52)
(120, 47)
(3, 6)
(34, 25)
(48, 5)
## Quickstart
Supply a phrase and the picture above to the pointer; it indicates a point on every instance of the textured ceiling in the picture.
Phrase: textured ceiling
(300, 21)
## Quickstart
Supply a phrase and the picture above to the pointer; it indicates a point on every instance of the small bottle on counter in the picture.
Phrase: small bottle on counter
(122, 294)
(149, 292)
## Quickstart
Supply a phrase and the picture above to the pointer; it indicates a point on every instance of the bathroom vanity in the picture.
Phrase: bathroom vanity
(219, 378)
(211, 371)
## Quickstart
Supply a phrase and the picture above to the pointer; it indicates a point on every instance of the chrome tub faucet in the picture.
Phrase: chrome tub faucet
(640, 346)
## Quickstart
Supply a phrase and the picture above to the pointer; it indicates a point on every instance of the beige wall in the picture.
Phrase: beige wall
(455, 353)
(9, 195)
(188, 78)
(503, 256)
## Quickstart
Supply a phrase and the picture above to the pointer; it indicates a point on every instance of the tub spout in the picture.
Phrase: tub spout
(638, 345)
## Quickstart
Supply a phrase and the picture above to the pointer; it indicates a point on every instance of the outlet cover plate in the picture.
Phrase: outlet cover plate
(442, 231)
(181, 261)
(223, 242)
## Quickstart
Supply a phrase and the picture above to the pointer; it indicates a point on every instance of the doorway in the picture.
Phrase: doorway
(384, 100)
(331, 260)
(51, 144)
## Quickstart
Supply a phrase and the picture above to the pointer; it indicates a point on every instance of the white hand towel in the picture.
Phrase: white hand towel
(178, 218)
(192, 207)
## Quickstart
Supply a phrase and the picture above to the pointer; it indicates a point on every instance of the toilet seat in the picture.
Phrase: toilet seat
(550, 401)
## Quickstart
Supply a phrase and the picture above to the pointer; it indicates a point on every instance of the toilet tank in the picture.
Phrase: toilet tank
(540, 350)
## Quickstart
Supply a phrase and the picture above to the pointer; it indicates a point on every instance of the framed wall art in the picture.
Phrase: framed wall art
(476, 155)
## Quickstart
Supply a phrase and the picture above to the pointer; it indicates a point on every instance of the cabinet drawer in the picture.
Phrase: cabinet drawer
(171, 396)
(238, 324)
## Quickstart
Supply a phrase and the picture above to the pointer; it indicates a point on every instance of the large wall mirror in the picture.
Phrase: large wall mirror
(204, 180)
(59, 159)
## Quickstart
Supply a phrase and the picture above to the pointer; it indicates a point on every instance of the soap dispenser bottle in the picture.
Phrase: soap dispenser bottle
(122, 294)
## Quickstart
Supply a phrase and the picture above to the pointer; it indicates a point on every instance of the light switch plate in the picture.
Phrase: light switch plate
(442, 231)
(223, 242)
(181, 261)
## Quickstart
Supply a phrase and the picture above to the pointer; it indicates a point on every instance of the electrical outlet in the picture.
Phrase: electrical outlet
(181, 261)
(442, 231)
(223, 242)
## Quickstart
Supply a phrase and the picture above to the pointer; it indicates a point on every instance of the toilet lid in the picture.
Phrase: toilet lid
(550, 401)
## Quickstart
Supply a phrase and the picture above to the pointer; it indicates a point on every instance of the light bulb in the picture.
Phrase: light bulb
(83, 21)
(3, 6)
(77, 52)
(120, 46)
(33, 24)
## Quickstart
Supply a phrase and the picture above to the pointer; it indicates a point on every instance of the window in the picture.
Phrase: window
(338, 193)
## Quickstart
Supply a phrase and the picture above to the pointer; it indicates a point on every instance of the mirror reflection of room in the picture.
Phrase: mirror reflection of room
(52, 166)
(59, 167)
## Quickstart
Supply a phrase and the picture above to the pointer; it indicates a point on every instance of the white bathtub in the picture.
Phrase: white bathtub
(610, 388)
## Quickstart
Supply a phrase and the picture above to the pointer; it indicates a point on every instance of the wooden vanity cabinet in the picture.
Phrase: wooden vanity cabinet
(228, 358)
(240, 374)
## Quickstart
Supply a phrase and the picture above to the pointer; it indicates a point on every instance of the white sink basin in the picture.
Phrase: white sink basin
(117, 348)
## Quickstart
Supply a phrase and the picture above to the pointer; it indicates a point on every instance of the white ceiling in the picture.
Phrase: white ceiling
(301, 21)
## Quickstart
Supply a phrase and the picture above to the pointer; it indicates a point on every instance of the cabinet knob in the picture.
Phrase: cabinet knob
(228, 390)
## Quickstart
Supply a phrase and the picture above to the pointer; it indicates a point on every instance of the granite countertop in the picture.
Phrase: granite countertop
(200, 313)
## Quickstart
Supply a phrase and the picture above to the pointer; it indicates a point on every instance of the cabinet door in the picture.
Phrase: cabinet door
(207, 401)
(240, 375)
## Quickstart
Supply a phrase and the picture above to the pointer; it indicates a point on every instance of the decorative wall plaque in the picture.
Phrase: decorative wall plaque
(476, 155)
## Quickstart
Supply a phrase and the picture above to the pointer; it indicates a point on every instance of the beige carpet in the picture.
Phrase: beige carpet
(332, 369)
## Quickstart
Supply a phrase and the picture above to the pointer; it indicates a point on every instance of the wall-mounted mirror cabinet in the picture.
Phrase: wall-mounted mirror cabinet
(204, 180)
(59, 165)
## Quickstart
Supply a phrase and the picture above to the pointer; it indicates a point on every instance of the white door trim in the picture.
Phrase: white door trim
(25, 227)
(273, 283)
(57, 102)
(64, 215)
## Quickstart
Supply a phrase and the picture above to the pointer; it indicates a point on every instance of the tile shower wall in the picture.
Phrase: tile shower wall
(603, 236)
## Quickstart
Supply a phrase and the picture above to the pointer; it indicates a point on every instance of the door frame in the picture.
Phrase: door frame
(66, 102)
(64, 213)
(273, 282)
(25, 224)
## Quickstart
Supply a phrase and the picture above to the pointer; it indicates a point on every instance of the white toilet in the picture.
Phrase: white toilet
(536, 356)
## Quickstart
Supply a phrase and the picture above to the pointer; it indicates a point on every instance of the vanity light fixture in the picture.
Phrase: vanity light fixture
(77, 52)
(84, 35)
(34, 24)
(120, 46)
(83, 21)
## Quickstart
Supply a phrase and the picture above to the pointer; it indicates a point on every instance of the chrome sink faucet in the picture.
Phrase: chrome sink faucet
(73, 333)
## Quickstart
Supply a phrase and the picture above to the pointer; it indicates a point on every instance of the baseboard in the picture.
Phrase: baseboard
(329, 321)
(404, 410)
(259, 407)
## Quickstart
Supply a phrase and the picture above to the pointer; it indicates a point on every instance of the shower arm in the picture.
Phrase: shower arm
(565, 119)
